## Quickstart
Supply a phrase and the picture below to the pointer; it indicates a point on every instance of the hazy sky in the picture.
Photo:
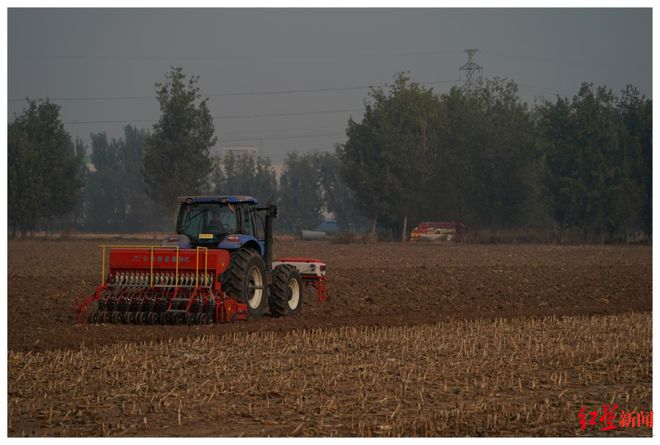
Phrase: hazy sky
(118, 54)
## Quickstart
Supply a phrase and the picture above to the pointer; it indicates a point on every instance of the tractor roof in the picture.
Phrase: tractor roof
(234, 199)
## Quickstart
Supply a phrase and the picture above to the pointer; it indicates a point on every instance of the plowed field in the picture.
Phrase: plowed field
(390, 330)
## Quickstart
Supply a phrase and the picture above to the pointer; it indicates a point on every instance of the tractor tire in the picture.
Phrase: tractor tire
(285, 291)
(245, 280)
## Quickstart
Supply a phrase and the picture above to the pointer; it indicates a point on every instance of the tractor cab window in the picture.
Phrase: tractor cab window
(259, 226)
(206, 221)
(246, 220)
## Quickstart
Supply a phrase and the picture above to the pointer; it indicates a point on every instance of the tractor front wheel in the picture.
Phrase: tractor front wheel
(245, 280)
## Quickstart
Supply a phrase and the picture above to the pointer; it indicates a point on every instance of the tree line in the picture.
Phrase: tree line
(487, 159)
(483, 157)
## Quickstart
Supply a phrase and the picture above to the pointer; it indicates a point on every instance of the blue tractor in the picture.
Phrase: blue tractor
(238, 225)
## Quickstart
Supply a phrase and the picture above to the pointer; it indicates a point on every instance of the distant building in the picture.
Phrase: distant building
(279, 169)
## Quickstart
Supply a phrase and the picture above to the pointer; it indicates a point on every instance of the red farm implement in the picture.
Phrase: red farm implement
(204, 274)
(161, 285)
(169, 285)
(438, 231)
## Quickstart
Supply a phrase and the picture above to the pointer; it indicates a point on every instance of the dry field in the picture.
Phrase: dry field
(414, 340)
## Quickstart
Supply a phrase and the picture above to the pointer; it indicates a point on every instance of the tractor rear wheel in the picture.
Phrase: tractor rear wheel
(285, 291)
(245, 280)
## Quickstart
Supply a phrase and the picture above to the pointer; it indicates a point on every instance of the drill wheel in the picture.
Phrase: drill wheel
(180, 318)
(141, 318)
(116, 317)
(152, 318)
(93, 317)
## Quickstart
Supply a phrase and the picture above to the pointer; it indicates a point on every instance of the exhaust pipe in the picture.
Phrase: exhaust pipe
(271, 212)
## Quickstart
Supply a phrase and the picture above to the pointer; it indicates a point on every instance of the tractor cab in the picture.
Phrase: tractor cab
(219, 222)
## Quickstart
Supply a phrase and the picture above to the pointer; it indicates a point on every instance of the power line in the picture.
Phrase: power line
(235, 116)
(550, 90)
(231, 56)
(298, 136)
(555, 60)
(229, 94)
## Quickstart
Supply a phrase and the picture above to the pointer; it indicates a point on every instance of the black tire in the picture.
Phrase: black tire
(93, 317)
(285, 291)
(241, 281)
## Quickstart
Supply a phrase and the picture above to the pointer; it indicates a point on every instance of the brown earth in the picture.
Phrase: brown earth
(389, 354)
(383, 284)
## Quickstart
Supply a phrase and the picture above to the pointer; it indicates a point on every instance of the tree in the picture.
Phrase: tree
(598, 141)
(635, 112)
(245, 175)
(139, 213)
(337, 197)
(106, 189)
(176, 158)
(507, 157)
(239, 174)
(561, 174)
(300, 197)
(78, 212)
(265, 182)
(44, 170)
(596, 164)
(115, 193)
(394, 151)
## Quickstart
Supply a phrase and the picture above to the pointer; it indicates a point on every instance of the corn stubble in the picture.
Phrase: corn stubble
(524, 376)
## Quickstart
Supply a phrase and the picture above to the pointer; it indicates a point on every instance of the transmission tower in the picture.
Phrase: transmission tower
(472, 71)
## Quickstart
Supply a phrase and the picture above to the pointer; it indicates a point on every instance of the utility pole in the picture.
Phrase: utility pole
(472, 71)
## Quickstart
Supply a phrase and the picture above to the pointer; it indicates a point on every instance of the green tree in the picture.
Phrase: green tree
(394, 151)
(596, 168)
(337, 197)
(44, 170)
(598, 141)
(140, 212)
(176, 158)
(245, 175)
(239, 174)
(218, 177)
(115, 193)
(457, 193)
(507, 156)
(105, 192)
(561, 175)
(300, 197)
(265, 182)
(78, 212)
(635, 112)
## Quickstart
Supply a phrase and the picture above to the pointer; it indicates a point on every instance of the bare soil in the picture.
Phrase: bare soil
(414, 340)
(382, 284)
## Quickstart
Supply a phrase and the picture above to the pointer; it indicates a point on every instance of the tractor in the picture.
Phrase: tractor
(217, 267)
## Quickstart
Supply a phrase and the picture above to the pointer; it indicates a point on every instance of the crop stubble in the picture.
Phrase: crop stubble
(373, 360)
(479, 377)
